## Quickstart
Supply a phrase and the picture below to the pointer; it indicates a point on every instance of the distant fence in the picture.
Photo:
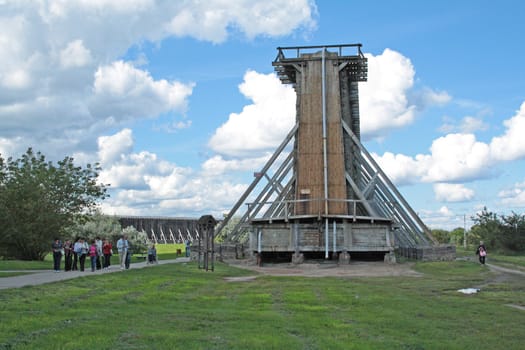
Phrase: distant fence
(164, 229)
(431, 253)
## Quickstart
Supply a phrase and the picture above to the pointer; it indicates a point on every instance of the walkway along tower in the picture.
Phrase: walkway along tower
(321, 194)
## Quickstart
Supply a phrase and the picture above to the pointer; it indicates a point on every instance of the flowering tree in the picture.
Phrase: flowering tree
(39, 200)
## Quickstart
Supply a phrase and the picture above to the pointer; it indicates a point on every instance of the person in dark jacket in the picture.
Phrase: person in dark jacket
(68, 255)
(57, 246)
(129, 253)
(481, 252)
(84, 250)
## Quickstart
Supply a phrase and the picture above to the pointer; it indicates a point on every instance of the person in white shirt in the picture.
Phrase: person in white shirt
(77, 247)
(122, 247)
(98, 242)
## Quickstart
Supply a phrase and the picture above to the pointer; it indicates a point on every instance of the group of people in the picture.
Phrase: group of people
(99, 253)
(75, 254)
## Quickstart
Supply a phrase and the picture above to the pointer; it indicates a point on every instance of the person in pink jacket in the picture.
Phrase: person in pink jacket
(93, 255)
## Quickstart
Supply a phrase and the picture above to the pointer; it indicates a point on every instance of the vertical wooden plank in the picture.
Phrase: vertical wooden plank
(310, 163)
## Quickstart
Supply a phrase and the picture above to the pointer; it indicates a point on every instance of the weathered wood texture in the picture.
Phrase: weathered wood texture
(434, 253)
(310, 158)
(311, 237)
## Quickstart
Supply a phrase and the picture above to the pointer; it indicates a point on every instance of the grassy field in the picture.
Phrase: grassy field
(178, 306)
(47, 264)
(516, 261)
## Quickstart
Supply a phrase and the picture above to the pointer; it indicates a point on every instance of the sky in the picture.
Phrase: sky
(179, 104)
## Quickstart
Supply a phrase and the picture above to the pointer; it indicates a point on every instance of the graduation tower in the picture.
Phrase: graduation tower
(321, 194)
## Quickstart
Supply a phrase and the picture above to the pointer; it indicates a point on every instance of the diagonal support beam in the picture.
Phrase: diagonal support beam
(360, 195)
(264, 170)
(389, 186)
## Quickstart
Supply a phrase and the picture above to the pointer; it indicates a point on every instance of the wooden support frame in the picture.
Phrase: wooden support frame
(374, 196)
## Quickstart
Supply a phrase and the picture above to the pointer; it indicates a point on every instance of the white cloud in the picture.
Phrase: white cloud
(430, 97)
(14, 55)
(10, 146)
(262, 125)
(122, 168)
(511, 145)
(94, 90)
(142, 183)
(17, 79)
(43, 103)
(384, 105)
(445, 211)
(112, 148)
(452, 192)
(388, 99)
(123, 90)
(514, 196)
(399, 168)
(456, 157)
(383, 98)
(467, 125)
(471, 124)
(217, 165)
(173, 126)
(210, 20)
(443, 218)
(459, 157)
(75, 55)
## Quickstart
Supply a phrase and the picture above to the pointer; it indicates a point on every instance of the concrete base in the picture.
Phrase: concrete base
(344, 258)
(390, 258)
(297, 258)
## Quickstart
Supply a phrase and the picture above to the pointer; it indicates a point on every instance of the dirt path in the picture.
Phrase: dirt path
(500, 269)
(315, 269)
(358, 269)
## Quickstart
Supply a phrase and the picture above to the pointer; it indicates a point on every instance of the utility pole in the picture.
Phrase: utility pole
(465, 231)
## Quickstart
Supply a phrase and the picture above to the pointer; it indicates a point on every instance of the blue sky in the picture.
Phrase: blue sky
(177, 100)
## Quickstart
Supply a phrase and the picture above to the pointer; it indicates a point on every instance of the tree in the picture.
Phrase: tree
(228, 229)
(39, 200)
(442, 236)
(457, 235)
(106, 226)
(487, 228)
(138, 240)
(95, 225)
(506, 233)
(513, 232)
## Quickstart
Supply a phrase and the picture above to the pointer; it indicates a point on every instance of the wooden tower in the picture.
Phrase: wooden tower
(321, 194)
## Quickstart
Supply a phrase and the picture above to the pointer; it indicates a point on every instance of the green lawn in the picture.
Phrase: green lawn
(13, 273)
(47, 264)
(516, 261)
(178, 306)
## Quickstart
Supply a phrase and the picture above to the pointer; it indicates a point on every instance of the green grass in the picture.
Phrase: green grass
(512, 261)
(163, 249)
(178, 306)
(13, 273)
(47, 264)
(167, 251)
(505, 260)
